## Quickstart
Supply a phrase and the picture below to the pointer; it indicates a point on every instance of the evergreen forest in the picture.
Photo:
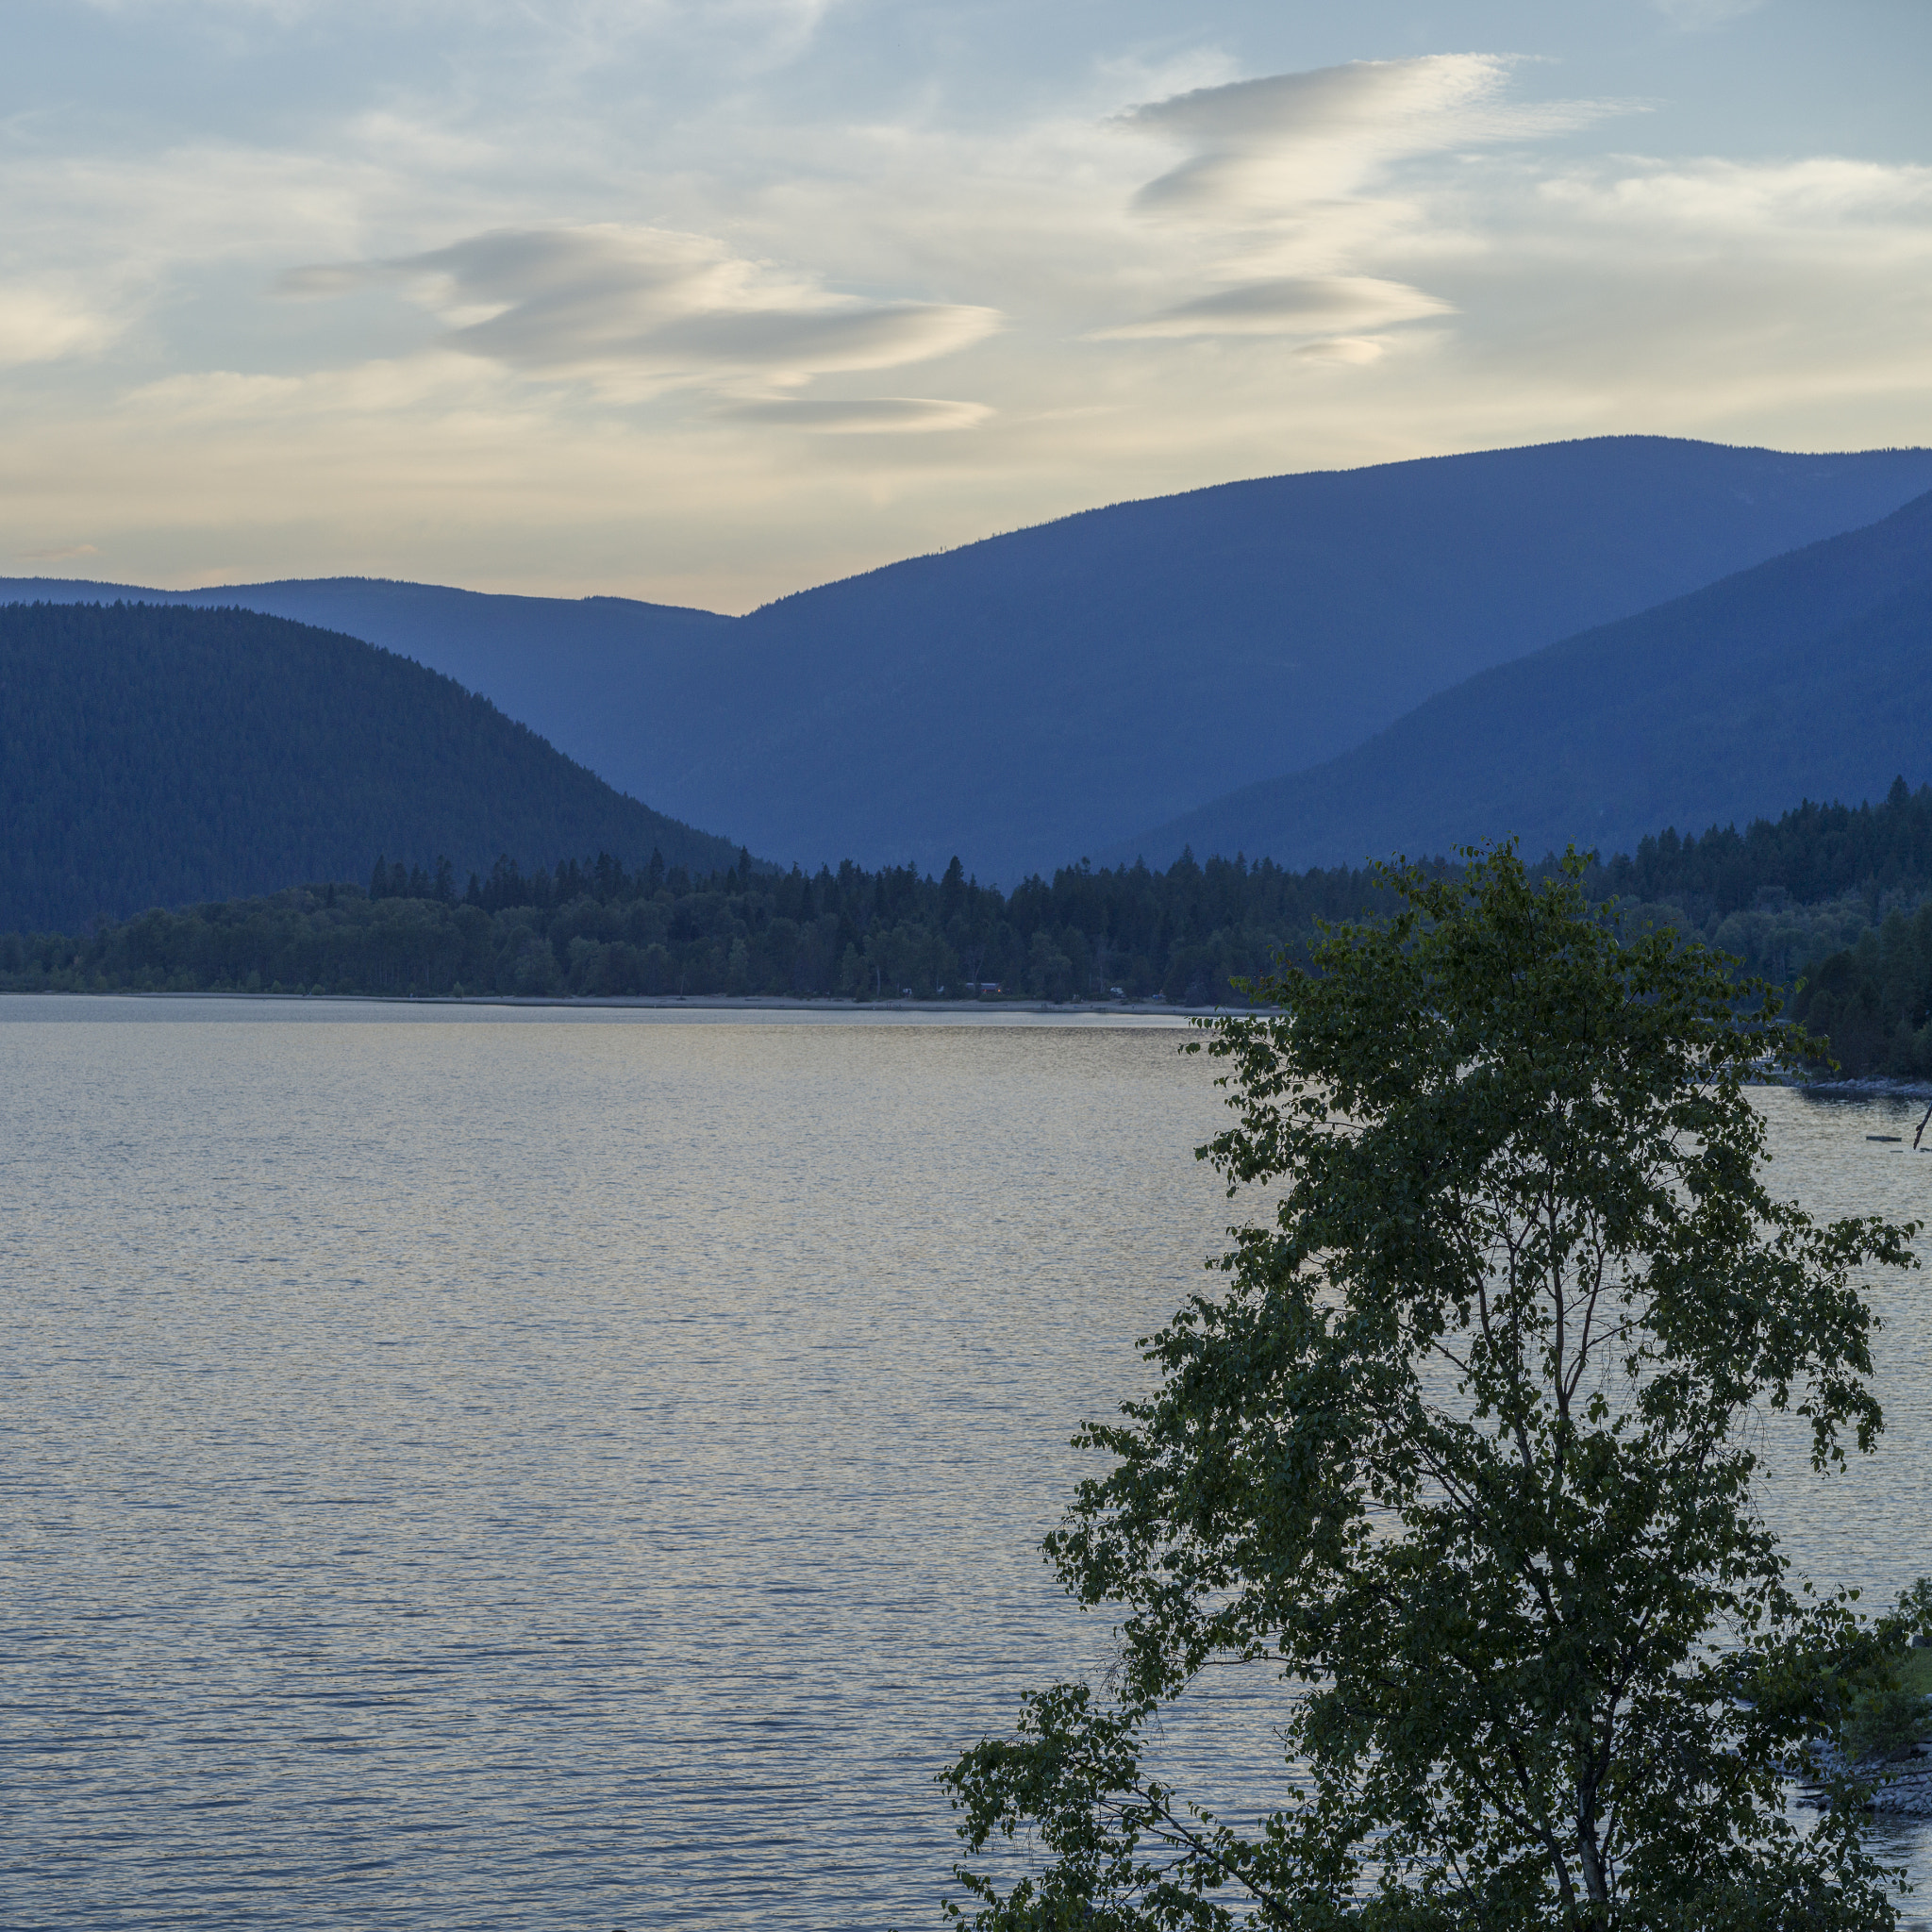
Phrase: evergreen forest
(1185, 935)
(1832, 903)
(161, 755)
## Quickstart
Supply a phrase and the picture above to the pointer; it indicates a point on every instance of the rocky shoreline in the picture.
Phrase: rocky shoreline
(1909, 1792)
(1866, 1086)
(1904, 1792)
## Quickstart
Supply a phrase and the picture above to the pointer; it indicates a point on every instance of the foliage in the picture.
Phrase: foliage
(1185, 935)
(1884, 1711)
(1458, 1458)
(1873, 1001)
(156, 754)
(1829, 900)
(1887, 1723)
(1813, 853)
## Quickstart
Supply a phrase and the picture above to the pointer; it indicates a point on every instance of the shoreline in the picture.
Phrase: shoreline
(765, 1003)
(1866, 1086)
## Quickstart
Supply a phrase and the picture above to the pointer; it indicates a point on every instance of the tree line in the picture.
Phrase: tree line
(1187, 935)
(1829, 902)
(1812, 854)
(1873, 1001)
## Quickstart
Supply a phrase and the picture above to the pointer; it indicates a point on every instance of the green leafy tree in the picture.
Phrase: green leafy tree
(1458, 1461)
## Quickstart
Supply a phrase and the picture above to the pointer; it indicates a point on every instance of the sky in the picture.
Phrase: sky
(704, 301)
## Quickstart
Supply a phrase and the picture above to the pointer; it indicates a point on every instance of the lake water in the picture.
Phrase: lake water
(553, 1469)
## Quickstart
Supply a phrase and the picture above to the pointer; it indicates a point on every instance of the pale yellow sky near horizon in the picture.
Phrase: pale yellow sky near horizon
(705, 303)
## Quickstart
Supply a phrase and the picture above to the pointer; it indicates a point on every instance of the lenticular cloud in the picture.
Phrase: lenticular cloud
(1290, 304)
(1263, 146)
(657, 305)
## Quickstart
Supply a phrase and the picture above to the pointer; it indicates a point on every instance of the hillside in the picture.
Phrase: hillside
(1807, 676)
(1045, 692)
(1818, 898)
(153, 755)
(581, 673)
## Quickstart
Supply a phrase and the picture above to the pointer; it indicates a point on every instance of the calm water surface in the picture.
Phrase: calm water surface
(549, 1468)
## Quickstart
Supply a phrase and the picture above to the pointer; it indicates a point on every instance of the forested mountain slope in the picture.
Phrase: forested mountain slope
(1045, 692)
(1819, 900)
(1807, 676)
(578, 672)
(151, 755)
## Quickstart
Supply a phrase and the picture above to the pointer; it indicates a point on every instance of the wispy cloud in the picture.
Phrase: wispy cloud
(61, 554)
(871, 416)
(631, 293)
(1795, 203)
(1263, 147)
(1307, 187)
(1288, 305)
(43, 326)
(1700, 15)
(647, 307)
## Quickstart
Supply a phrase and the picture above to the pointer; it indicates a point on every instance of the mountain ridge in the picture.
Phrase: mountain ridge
(1039, 693)
(161, 755)
(1807, 675)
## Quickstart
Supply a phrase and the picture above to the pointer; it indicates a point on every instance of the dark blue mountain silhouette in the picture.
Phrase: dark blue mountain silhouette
(1039, 695)
(153, 755)
(1810, 677)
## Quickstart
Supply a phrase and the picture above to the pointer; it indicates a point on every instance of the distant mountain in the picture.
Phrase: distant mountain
(1807, 676)
(156, 756)
(1037, 695)
(578, 672)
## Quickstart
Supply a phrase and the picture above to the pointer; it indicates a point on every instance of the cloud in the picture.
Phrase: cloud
(1262, 146)
(876, 415)
(653, 306)
(57, 556)
(37, 326)
(1781, 201)
(1289, 304)
(1292, 202)
(1352, 350)
(1696, 15)
(433, 384)
(316, 284)
(1239, 276)
(787, 341)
